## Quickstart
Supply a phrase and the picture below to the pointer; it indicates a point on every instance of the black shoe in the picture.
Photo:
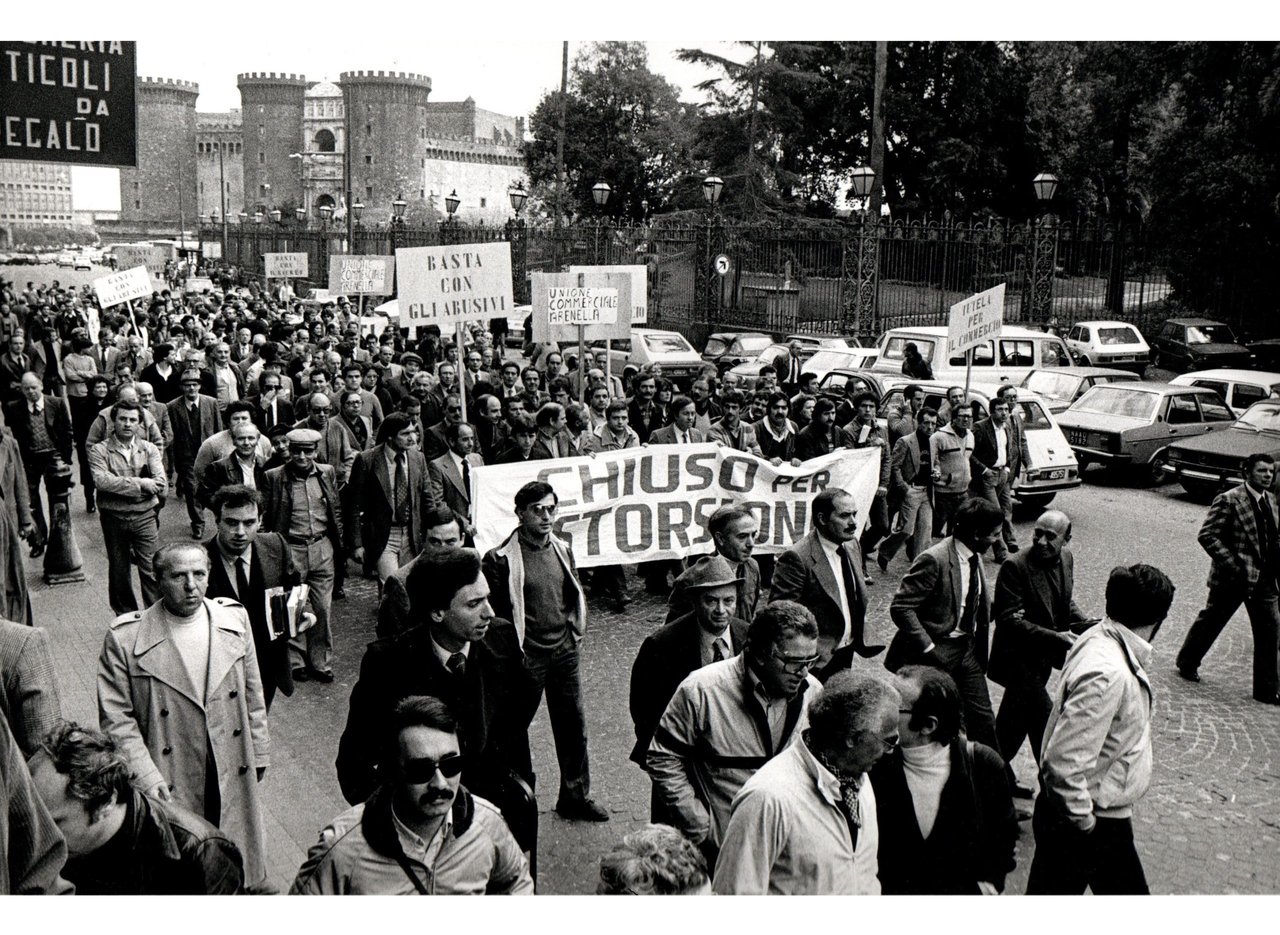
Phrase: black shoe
(320, 675)
(197, 530)
(581, 810)
(1013, 546)
(1191, 675)
(867, 579)
(1023, 813)
(870, 652)
(1274, 699)
(882, 562)
(1022, 792)
(90, 508)
(37, 550)
(339, 594)
(300, 674)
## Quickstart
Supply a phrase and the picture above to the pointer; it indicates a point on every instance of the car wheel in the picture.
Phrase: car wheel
(1199, 491)
(1153, 473)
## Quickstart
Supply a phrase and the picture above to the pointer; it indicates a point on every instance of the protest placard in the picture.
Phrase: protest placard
(285, 265)
(122, 286)
(361, 275)
(650, 503)
(639, 276)
(454, 283)
(975, 320)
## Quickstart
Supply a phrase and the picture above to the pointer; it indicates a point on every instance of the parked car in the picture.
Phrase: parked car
(834, 383)
(811, 343)
(82, 262)
(820, 362)
(1266, 353)
(1211, 463)
(1010, 356)
(727, 349)
(66, 260)
(677, 357)
(1131, 425)
(1239, 388)
(1061, 386)
(1116, 344)
(1198, 344)
(1054, 466)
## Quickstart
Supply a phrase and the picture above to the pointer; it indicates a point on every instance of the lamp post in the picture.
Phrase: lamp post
(448, 225)
(517, 236)
(706, 278)
(1044, 246)
(600, 193)
(357, 209)
(201, 222)
(861, 274)
(397, 225)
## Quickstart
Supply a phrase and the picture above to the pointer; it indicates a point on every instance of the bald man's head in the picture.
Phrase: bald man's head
(1051, 534)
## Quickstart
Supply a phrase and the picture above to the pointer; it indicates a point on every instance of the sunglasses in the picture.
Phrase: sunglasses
(423, 770)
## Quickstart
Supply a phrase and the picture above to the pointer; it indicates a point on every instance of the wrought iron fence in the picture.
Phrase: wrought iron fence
(846, 277)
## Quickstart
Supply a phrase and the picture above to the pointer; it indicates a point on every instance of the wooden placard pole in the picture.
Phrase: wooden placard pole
(462, 380)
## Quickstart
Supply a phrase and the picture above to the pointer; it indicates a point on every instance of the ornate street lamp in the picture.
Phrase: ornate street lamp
(600, 193)
(712, 185)
(244, 216)
(397, 209)
(204, 219)
(300, 214)
(276, 215)
(1046, 185)
(860, 318)
(213, 216)
(257, 217)
(451, 202)
(1044, 250)
(326, 214)
(518, 197)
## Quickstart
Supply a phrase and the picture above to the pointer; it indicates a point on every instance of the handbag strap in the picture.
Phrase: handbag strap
(403, 861)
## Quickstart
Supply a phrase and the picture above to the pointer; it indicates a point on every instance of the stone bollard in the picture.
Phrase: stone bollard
(62, 560)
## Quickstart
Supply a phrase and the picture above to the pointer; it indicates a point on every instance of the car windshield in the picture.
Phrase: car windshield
(1033, 416)
(893, 349)
(1117, 336)
(667, 344)
(1264, 415)
(828, 360)
(754, 345)
(716, 346)
(1053, 385)
(1115, 400)
(1210, 334)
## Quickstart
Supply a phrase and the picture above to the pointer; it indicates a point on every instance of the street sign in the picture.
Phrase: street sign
(722, 265)
(571, 305)
(975, 320)
(454, 283)
(69, 102)
(285, 265)
(361, 275)
(120, 287)
(639, 276)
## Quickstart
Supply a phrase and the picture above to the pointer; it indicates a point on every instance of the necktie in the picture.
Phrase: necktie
(457, 665)
(242, 580)
(684, 437)
(401, 492)
(719, 652)
(850, 585)
(1267, 528)
(972, 596)
(850, 809)
(466, 477)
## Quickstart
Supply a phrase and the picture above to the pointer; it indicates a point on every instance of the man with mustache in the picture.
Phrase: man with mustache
(421, 831)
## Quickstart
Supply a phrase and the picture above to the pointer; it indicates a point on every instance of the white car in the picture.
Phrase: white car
(1239, 389)
(1115, 344)
(679, 360)
(82, 262)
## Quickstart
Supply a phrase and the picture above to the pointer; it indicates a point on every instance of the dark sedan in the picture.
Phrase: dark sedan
(1188, 344)
(728, 349)
(1207, 464)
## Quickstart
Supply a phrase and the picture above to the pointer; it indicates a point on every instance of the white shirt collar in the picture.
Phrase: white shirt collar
(443, 654)
(963, 550)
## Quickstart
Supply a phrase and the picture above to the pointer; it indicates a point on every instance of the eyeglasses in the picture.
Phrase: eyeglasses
(791, 664)
(890, 743)
(539, 509)
(423, 770)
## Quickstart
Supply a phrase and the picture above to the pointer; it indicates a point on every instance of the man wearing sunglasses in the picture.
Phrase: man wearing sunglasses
(421, 832)
(806, 822)
(729, 718)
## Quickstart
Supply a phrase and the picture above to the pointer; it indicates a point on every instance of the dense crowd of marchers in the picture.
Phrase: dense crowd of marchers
(786, 754)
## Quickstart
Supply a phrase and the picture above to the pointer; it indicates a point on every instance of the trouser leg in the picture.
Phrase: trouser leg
(1024, 712)
(1004, 497)
(1264, 618)
(1060, 866)
(922, 535)
(562, 681)
(115, 537)
(315, 563)
(391, 557)
(35, 467)
(144, 539)
(1117, 868)
(989, 489)
(980, 722)
(1222, 603)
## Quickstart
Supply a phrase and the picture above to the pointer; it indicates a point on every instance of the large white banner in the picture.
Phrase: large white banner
(122, 286)
(644, 504)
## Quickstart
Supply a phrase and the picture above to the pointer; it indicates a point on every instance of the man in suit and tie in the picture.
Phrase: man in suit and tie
(272, 408)
(42, 426)
(995, 463)
(681, 431)
(733, 529)
(389, 492)
(711, 631)
(644, 415)
(493, 435)
(360, 428)
(462, 654)
(1240, 535)
(194, 417)
(789, 369)
(105, 352)
(13, 364)
(943, 610)
(554, 440)
(243, 563)
(910, 483)
(823, 572)
(450, 474)
(1036, 622)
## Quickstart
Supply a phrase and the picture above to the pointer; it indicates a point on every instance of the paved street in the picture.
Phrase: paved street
(1210, 824)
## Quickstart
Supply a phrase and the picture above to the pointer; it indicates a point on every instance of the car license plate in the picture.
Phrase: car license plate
(1055, 475)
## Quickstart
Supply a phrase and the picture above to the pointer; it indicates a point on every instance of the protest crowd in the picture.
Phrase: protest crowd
(786, 752)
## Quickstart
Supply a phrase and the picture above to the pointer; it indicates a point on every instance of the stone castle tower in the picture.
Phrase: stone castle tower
(271, 109)
(386, 116)
(163, 187)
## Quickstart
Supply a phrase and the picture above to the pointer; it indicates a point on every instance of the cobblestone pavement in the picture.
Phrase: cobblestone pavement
(1209, 824)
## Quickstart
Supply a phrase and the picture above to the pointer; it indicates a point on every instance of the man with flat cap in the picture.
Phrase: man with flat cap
(193, 417)
(301, 503)
(710, 632)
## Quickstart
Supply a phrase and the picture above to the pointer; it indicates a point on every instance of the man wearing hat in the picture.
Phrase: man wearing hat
(709, 632)
(193, 417)
(733, 530)
(398, 386)
(301, 503)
